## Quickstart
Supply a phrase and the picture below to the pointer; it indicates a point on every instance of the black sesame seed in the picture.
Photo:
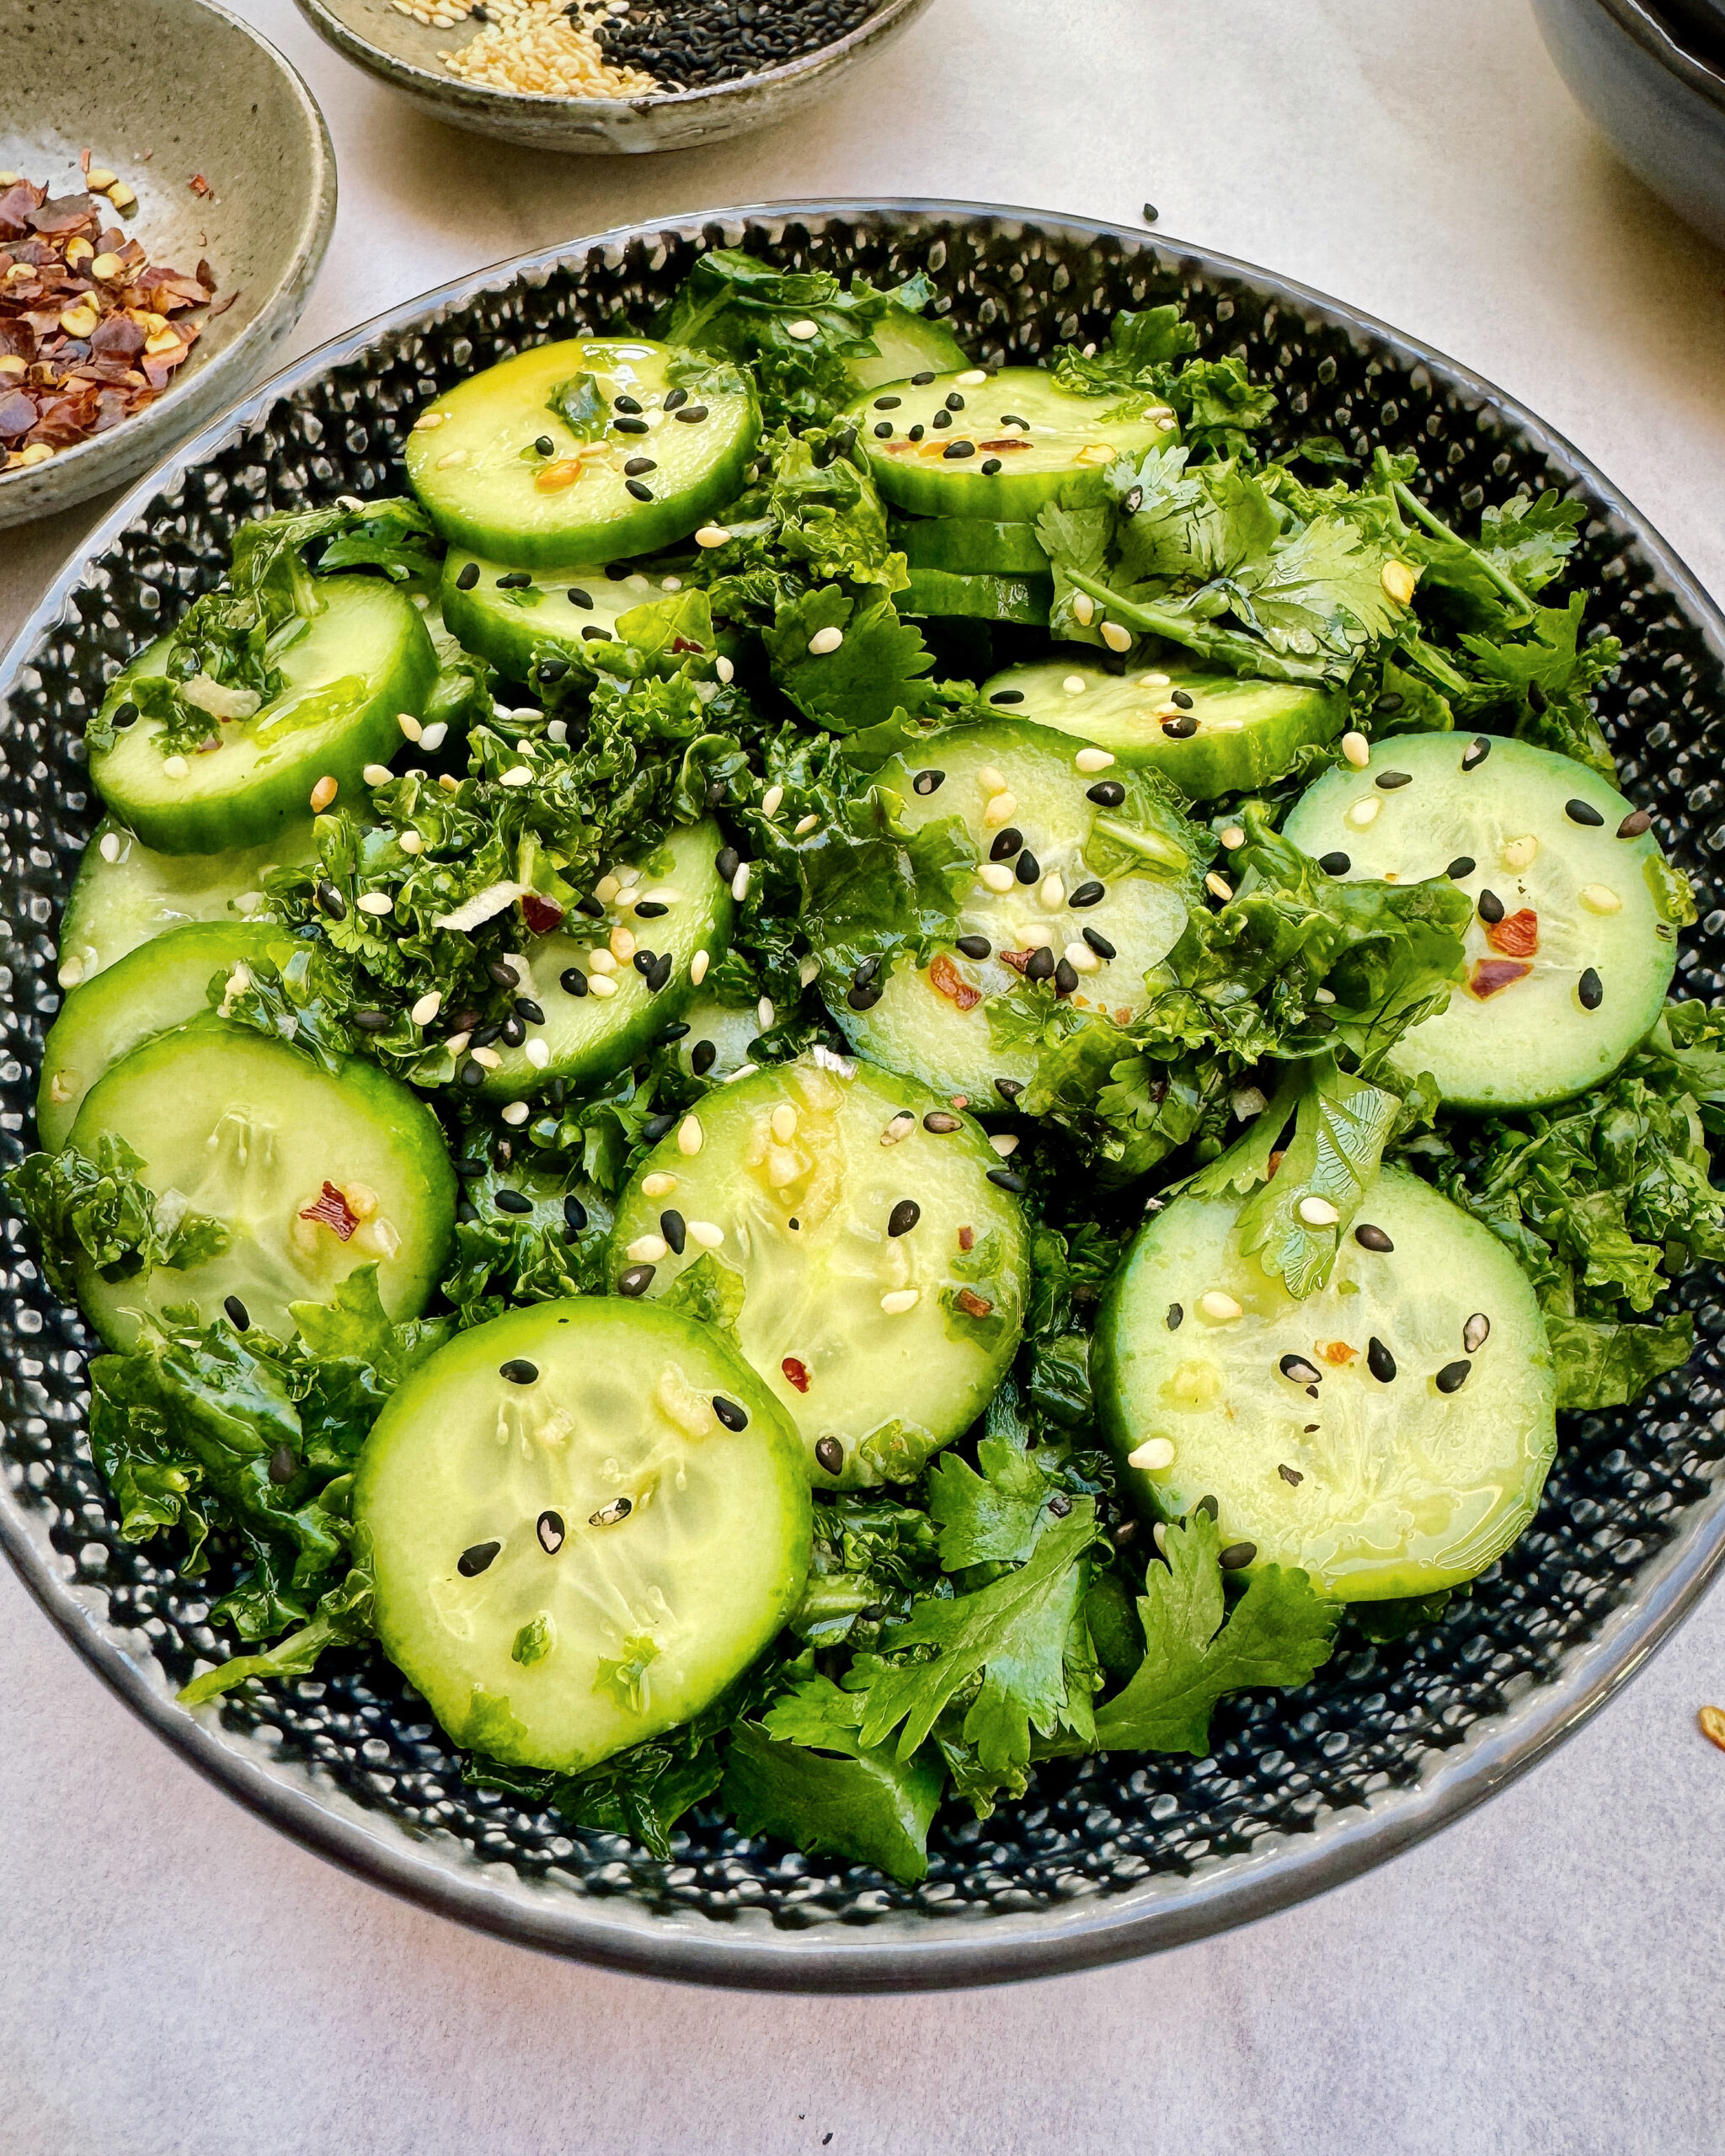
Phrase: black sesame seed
(1582, 812)
(888, 403)
(526, 1008)
(1008, 1088)
(1491, 908)
(941, 420)
(514, 580)
(625, 403)
(1634, 824)
(472, 1561)
(1462, 865)
(639, 489)
(551, 1532)
(675, 1229)
(1180, 697)
(634, 1280)
(1040, 966)
(829, 1456)
(674, 398)
(1237, 1556)
(954, 450)
(1065, 978)
(630, 426)
(594, 634)
(917, 432)
(692, 415)
(1452, 1377)
(941, 1123)
(1590, 990)
(374, 1022)
(1028, 868)
(472, 1075)
(618, 572)
(591, 907)
(1380, 1361)
(330, 900)
(284, 1465)
(470, 1171)
(1006, 843)
(990, 466)
(125, 713)
(1088, 894)
(1099, 943)
(577, 597)
(954, 401)
(928, 782)
(904, 1217)
(1291, 1476)
(466, 1213)
(545, 446)
(862, 999)
(575, 1214)
(702, 1057)
(637, 465)
(1181, 728)
(483, 1035)
(733, 1416)
(650, 909)
(238, 1316)
(727, 861)
(867, 969)
(1207, 1505)
(518, 1371)
(644, 961)
(1476, 1332)
(1391, 701)
(512, 1032)
(1475, 753)
(655, 1126)
(922, 381)
(1370, 1238)
(1106, 793)
(552, 670)
(1007, 1179)
(883, 429)
(1296, 1369)
(572, 981)
(511, 1201)
(465, 581)
(1176, 1317)
(1007, 697)
(1392, 781)
(1334, 864)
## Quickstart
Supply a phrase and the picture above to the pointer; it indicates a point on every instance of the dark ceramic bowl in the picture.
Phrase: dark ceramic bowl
(1105, 1858)
(1657, 101)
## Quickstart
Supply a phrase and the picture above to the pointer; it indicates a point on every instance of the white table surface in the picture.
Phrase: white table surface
(1545, 1976)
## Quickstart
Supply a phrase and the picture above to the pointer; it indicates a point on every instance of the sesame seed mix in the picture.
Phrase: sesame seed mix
(539, 48)
(690, 44)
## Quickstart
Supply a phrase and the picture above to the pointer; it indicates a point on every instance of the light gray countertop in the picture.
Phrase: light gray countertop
(1544, 1977)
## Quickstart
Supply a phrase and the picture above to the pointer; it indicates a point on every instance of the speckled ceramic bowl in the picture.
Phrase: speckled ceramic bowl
(403, 53)
(1105, 1857)
(161, 91)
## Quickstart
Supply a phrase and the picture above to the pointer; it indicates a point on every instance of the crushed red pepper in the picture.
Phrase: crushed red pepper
(87, 330)
(331, 1210)
(1517, 936)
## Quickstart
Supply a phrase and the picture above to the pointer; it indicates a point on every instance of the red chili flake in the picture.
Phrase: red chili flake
(967, 1238)
(334, 1211)
(683, 644)
(1491, 974)
(1012, 441)
(944, 977)
(541, 914)
(1517, 936)
(1018, 960)
(199, 186)
(1276, 1161)
(1336, 1352)
(897, 448)
(795, 1373)
(973, 1305)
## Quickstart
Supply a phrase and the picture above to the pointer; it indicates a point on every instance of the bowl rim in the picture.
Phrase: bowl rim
(486, 98)
(908, 1952)
(1660, 43)
(299, 269)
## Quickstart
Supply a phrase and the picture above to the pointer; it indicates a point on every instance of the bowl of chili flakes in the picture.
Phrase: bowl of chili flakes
(167, 192)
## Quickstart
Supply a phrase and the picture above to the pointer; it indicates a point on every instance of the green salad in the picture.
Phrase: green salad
(838, 1069)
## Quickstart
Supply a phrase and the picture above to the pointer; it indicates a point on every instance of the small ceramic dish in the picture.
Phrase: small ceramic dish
(164, 95)
(1660, 106)
(403, 53)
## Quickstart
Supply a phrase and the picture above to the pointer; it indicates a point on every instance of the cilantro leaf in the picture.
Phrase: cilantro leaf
(875, 671)
(1278, 1633)
(994, 1516)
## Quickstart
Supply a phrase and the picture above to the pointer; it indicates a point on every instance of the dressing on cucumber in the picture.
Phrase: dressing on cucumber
(584, 452)
(493, 613)
(958, 1023)
(583, 1520)
(1389, 1434)
(361, 659)
(999, 445)
(124, 892)
(1573, 940)
(308, 1175)
(880, 1274)
(1210, 733)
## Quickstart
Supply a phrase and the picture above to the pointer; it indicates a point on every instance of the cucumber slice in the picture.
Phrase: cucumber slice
(1606, 909)
(124, 892)
(728, 1030)
(1244, 733)
(591, 1031)
(572, 1551)
(1025, 598)
(507, 625)
(162, 984)
(1385, 1485)
(907, 344)
(364, 657)
(1059, 454)
(934, 1022)
(793, 1187)
(473, 458)
(249, 1132)
(970, 545)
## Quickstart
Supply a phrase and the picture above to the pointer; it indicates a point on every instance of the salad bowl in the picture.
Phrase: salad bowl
(1104, 1858)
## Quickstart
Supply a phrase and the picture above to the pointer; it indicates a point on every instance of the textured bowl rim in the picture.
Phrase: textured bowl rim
(292, 285)
(485, 98)
(1651, 33)
(906, 1952)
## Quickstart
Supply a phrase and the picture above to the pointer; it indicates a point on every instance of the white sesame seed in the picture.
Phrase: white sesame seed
(606, 889)
(1363, 813)
(486, 1057)
(409, 725)
(517, 775)
(765, 1014)
(1093, 759)
(1151, 1456)
(1006, 1144)
(428, 1007)
(723, 667)
(707, 1233)
(739, 883)
(1037, 939)
(771, 799)
(557, 731)
(1159, 1535)
(807, 970)
(455, 1043)
(712, 535)
(376, 903)
(1357, 749)
(600, 961)
(1324, 995)
(110, 845)
(1001, 809)
(452, 456)
(697, 967)
(1053, 892)
(1219, 886)
(825, 640)
(623, 945)
(1116, 636)
(175, 766)
(1222, 1308)
(601, 984)
(411, 843)
(1154, 680)
(803, 330)
(900, 1301)
(1081, 958)
(971, 378)
(72, 973)
(1398, 579)
(376, 774)
(515, 1113)
(432, 738)
(902, 1124)
(426, 420)
(1519, 853)
(1233, 837)
(1317, 1212)
(670, 584)
(537, 1053)
(996, 876)
(1229, 725)
(1600, 897)
(992, 781)
(805, 826)
(658, 1184)
(647, 1250)
(1084, 608)
(691, 1137)
(1074, 685)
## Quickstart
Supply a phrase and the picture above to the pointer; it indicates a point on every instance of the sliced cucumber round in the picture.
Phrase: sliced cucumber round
(361, 659)
(162, 984)
(1573, 971)
(125, 893)
(970, 545)
(1025, 598)
(1227, 736)
(999, 446)
(253, 1136)
(882, 1331)
(598, 1017)
(583, 1520)
(507, 621)
(935, 1022)
(1390, 1434)
(477, 457)
(721, 1037)
(907, 343)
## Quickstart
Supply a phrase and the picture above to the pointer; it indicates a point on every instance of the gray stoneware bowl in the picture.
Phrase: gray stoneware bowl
(182, 84)
(403, 53)
(1103, 1858)
(1657, 101)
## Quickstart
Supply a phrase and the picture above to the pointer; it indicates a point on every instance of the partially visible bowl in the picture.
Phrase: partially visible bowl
(162, 94)
(1661, 107)
(399, 50)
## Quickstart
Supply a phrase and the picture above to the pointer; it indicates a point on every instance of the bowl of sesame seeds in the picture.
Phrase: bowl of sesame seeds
(605, 77)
